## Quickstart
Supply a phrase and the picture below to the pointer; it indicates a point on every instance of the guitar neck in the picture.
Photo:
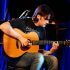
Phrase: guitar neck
(43, 42)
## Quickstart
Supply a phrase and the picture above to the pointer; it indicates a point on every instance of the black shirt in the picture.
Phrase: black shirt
(27, 25)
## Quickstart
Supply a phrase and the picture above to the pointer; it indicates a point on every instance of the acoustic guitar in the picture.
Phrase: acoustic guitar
(13, 48)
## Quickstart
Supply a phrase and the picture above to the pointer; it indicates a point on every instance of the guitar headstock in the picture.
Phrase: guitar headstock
(67, 42)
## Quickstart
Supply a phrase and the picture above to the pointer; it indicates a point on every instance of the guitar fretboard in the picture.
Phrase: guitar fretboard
(43, 42)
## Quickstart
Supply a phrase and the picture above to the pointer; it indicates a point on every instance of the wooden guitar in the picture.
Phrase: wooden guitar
(13, 48)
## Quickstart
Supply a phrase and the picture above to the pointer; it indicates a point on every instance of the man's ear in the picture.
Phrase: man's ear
(38, 17)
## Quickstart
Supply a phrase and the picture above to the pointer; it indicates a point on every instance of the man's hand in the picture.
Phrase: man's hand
(24, 41)
(55, 46)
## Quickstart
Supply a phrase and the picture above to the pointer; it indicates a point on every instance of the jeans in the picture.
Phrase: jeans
(30, 61)
(51, 63)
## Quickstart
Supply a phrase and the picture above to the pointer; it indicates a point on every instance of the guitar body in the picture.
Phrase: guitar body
(13, 48)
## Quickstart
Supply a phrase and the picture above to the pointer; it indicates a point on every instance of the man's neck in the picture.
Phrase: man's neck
(36, 24)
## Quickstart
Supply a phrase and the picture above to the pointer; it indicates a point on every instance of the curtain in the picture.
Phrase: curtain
(4, 15)
(64, 51)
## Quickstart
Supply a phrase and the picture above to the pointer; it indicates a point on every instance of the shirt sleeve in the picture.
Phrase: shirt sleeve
(18, 23)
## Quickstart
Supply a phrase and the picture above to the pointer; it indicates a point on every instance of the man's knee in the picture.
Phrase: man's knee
(54, 63)
(51, 58)
(54, 60)
(39, 57)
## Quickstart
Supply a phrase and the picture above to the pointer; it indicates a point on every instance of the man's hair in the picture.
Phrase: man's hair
(42, 10)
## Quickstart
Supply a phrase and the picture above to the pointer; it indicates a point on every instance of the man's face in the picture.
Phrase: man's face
(42, 21)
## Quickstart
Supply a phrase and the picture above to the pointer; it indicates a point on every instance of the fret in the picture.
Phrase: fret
(44, 42)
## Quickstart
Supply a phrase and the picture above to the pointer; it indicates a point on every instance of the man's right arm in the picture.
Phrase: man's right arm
(7, 29)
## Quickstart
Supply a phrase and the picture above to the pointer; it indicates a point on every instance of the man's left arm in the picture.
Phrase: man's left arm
(55, 46)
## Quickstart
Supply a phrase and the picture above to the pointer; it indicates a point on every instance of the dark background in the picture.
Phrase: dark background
(61, 8)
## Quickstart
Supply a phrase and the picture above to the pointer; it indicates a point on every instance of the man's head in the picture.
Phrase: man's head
(42, 15)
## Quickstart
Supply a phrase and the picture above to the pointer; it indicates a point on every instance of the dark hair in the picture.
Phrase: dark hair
(42, 10)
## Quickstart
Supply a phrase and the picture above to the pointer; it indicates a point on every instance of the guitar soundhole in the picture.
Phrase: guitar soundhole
(24, 48)
(19, 46)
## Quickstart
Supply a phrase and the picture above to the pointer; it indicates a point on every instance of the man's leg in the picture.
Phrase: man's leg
(34, 60)
(37, 62)
(51, 62)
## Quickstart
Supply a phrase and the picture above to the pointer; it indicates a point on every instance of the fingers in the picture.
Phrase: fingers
(26, 43)
(55, 44)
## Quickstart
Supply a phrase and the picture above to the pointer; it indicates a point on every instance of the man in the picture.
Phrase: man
(39, 20)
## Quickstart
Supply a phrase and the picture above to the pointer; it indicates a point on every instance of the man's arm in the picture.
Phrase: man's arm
(7, 29)
(55, 46)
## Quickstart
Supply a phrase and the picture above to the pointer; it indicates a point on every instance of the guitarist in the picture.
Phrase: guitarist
(39, 20)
